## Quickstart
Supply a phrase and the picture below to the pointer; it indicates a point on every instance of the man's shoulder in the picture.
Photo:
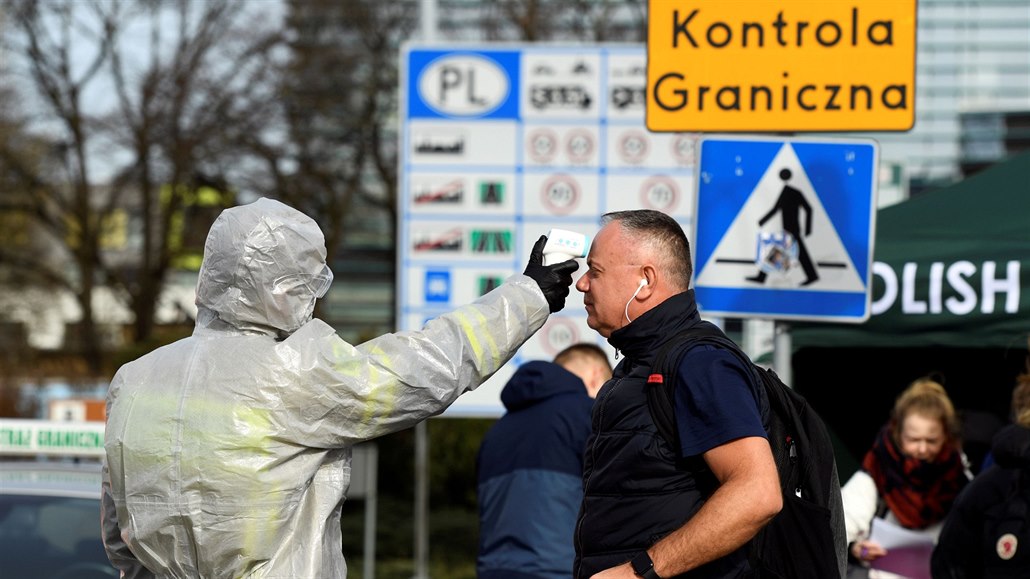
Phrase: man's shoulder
(713, 373)
(702, 355)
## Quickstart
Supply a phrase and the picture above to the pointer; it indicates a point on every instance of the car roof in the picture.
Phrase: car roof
(50, 478)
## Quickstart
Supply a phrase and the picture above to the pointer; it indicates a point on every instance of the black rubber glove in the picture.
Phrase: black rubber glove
(554, 280)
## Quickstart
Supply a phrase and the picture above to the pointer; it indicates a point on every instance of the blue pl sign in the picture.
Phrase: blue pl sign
(785, 228)
(463, 84)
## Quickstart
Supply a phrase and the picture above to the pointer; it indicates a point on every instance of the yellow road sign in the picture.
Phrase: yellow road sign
(781, 65)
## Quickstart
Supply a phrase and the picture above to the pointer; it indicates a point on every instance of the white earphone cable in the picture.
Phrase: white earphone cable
(640, 286)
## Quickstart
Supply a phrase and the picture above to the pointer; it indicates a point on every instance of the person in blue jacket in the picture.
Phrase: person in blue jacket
(530, 466)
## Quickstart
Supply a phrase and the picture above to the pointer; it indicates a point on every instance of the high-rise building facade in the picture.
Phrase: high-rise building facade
(972, 56)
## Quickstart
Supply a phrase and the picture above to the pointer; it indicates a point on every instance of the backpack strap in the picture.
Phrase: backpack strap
(807, 538)
(664, 370)
(662, 382)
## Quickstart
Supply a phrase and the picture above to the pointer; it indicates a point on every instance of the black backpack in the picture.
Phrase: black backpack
(1010, 517)
(806, 540)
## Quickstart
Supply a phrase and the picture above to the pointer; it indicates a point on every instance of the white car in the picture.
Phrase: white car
(50, 521)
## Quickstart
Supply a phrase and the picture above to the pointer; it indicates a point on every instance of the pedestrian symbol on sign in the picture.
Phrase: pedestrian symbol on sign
(781, 235)
(790, 244)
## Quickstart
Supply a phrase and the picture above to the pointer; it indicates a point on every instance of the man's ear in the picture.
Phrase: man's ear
(648, 280)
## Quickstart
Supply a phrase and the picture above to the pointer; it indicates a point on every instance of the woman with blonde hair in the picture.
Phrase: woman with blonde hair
(910, 476)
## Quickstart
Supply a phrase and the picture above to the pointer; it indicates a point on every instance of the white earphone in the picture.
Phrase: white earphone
(640, 286)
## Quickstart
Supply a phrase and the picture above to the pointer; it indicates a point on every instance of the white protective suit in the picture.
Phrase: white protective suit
(228, 452)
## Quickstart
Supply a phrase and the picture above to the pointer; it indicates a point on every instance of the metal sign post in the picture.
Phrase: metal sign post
(364, 485)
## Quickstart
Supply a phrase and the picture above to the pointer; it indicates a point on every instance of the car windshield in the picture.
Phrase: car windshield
(55, 537)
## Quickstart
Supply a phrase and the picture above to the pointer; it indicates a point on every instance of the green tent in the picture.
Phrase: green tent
(952, 268)
(951, 297)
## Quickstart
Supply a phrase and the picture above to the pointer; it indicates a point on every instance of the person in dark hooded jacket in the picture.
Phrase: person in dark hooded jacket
(530, 466)
(986, 535)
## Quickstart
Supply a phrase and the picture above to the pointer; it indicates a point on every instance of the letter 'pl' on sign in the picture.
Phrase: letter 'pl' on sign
(463, 85)
(781, 65)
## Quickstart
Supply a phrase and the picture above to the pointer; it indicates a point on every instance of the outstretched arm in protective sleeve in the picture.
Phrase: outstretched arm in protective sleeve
(396, 380)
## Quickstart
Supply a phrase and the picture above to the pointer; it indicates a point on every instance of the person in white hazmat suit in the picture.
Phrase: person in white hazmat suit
(228, 452)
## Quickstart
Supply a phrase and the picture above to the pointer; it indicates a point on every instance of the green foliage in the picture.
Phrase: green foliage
(453, 445)
(453, 510)
(453, 538)
(397, 465)
(405, 569)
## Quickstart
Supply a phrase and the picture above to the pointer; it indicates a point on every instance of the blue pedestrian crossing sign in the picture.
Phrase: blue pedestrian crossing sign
(785, 227)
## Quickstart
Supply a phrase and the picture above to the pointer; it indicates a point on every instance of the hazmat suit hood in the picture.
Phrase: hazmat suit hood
(264, 266)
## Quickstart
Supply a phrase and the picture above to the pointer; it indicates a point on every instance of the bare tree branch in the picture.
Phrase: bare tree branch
(164, 118)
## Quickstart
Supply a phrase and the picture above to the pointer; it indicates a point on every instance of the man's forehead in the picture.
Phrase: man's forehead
(602, 244)
(609, 249)
(609, 234)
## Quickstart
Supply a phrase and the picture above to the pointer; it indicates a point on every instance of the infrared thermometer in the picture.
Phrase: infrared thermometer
(563, 245)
